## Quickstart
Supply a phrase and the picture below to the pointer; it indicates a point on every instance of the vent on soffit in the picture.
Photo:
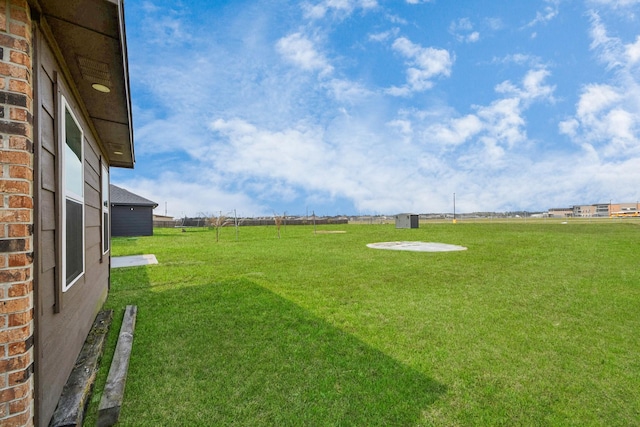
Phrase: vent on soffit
(95, 72)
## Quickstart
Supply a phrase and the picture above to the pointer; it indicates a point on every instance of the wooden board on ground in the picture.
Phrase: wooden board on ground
(111, 402)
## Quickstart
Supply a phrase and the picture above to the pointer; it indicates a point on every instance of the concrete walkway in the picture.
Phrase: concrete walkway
(133, 261)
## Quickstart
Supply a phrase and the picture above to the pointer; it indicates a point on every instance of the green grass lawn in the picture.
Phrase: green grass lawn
(535, 324)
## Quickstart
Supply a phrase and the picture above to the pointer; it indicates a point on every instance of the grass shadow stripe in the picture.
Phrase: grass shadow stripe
(236, 353)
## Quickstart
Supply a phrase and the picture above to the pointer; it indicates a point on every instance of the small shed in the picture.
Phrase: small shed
(131, 215)
(406, 220)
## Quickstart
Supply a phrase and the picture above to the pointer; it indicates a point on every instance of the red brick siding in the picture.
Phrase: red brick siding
(16, 215)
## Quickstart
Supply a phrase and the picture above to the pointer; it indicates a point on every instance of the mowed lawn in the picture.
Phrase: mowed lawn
(535, 324)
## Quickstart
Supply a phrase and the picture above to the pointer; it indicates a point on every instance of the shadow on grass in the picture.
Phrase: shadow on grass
(235, 353)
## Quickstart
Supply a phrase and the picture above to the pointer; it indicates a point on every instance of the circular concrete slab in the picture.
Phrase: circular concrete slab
(417, 246)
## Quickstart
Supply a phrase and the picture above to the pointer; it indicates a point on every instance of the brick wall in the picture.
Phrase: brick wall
(16, 215)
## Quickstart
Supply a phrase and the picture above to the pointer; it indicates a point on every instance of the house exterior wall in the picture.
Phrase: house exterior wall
(42, 329)
(131, 220)
(63, 318)
(16, 215)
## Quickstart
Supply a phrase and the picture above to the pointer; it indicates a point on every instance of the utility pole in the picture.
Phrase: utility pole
(454, 208)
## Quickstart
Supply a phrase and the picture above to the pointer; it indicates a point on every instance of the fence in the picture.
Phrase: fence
(205, 222)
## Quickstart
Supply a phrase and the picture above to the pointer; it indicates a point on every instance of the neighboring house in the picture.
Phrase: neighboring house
(163, 218)
(163, 221)
(65, 118)
(131, 215)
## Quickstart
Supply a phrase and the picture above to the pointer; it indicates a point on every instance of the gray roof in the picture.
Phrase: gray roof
(120, 196)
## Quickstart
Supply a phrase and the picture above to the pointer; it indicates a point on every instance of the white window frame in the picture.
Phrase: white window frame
(71, 195)
(106, 199)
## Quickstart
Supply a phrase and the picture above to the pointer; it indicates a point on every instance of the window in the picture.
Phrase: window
(106, 235)
(73, 206)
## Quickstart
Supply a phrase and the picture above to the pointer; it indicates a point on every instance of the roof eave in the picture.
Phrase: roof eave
(91, 36)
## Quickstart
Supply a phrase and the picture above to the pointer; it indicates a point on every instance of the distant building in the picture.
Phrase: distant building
(602, 209)
(585, 211)
(163, 218)
(131, 215)
(560, 212)
(597, 210)
(163, 221)
(624, 210)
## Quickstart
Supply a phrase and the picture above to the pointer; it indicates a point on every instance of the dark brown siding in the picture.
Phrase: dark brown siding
(131, 220)
(62, 329)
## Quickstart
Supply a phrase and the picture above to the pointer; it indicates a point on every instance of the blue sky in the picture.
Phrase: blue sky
(381, 107)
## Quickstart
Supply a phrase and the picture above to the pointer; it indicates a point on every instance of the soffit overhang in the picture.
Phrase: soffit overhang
(91, 37)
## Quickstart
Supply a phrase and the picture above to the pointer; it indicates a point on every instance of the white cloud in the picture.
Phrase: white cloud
(191, 193)
(462, 30)
(615, 3)
(596, 98)
(569, 127)
(605, 122)
(494, 24)
(610, 50)
(461, 24)
(398, 91)
(293, 158)
(607, 118)
(633, 52)
(148, 6)
(164, 27)
(520, 59)
(503, 122)
(395, 19)
(297, 49)
(457, 131)
(294, 155)
(340, 7)
(425, 64)
(499, 126)
(533, 86)
(549, 12)
(347, 91)
(403, 126)
(384, 36)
